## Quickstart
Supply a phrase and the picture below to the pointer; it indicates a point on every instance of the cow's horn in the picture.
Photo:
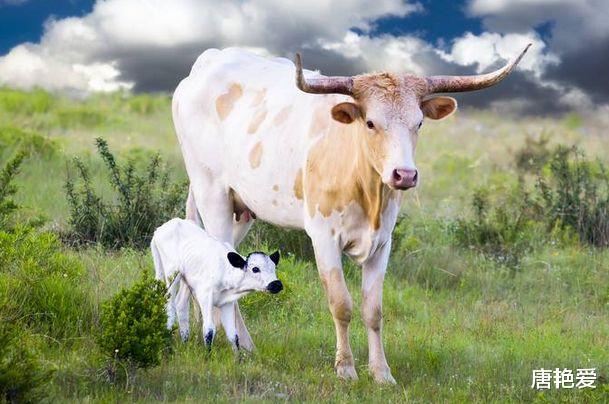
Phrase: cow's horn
(455, 84)
(322, 85)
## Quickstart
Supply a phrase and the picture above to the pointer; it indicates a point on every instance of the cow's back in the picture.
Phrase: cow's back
(240, 117)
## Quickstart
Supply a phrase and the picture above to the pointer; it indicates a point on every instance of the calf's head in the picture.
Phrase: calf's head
(260, 270)
(389, 110)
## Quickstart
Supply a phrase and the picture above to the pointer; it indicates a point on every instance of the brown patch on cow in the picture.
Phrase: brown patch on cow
(343, 168)
(319, 122)
(274, 202)
(298, 189)
(257, 119)
(339, 299)
(258, 98)
(282, 116)
(275, 187)
(256, 155)
(226, 101)
(333, 232)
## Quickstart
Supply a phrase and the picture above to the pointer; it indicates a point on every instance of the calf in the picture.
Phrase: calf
(185, 256)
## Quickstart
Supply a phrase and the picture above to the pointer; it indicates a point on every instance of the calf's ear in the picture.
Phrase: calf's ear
(236, 260)
(275, 257)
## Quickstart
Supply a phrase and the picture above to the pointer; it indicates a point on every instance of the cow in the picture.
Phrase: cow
(263, 138)
(188, 259)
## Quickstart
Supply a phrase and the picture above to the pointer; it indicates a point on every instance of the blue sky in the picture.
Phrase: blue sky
(80, 46)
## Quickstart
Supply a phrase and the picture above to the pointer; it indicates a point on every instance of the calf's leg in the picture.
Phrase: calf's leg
(182, 304)
(227, 317)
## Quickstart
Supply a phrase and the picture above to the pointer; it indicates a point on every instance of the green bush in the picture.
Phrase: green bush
(22, 375)
(40, 286)
(133, 324)
(8, 189)
(30, 143)
(145, 198)
(503, 232)
(80, 117)
(25, 103)
(533, 155)
(295, 242)
(146, 104)
(575, 195)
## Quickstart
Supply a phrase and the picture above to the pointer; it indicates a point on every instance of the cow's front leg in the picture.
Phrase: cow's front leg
(327, 255)
(227, 317)
(372, 302)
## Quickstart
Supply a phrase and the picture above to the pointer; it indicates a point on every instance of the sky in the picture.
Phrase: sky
(83, 46)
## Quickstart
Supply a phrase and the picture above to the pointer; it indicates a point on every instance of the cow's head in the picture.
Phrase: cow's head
(390, 108)
(259, 270)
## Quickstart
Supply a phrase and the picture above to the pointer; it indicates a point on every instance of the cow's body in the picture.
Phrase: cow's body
(255, 145)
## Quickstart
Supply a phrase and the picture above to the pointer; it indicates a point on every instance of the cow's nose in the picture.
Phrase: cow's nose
(404, 178)
(275, 286)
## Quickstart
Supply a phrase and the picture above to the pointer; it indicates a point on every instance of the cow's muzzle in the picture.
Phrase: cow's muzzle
(274, 287)
(404, 178)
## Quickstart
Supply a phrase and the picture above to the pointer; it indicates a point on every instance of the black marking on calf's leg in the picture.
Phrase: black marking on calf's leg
(237, 341)
(209, 337)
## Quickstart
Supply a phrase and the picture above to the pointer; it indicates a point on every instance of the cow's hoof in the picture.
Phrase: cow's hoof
(184, 334)
(346, 372)
(382, 376)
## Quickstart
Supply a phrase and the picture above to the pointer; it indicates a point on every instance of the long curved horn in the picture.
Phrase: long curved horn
(322, 85)
(455, 84)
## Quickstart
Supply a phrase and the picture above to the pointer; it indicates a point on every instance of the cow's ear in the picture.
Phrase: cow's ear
(236, 260)
(345, 112)
(438, 107)
(275, 257)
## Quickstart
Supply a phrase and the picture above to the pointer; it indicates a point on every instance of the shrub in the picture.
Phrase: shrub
(26, 103)
(503, 232)
(22, 375)
(145, 198)
(30, 143)
(146, 104)
(533, 155)
(575, 194)
(80, 117)
(133, 324)
(8, 189)
(295, 242)
(40, 286)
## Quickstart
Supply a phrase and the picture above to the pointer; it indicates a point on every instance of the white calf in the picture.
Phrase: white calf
(215, 274)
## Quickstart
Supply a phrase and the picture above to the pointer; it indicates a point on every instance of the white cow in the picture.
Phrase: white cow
(325, 154)
(217, 276)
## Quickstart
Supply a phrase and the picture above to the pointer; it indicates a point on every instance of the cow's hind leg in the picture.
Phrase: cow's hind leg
(372, 302)
(328, 258)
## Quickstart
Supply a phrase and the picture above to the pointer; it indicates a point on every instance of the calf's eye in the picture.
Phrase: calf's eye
(255, 270)
(370, 124)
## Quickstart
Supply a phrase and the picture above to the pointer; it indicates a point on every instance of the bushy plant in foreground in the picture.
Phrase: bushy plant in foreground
(144, 200)
(40, 286)
(133, 324)
(22, 374)
(575, 195)
(503, 232)
(8, 188)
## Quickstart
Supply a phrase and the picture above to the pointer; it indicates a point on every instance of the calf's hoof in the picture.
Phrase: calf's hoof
(345, 371)
(382, 376)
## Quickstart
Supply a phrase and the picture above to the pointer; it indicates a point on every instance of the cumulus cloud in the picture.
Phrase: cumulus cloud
(149, 45)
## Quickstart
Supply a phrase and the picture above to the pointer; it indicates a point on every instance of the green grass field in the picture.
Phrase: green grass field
(458, 326)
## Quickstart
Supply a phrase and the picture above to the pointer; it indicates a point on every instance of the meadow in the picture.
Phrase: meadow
(463, 322)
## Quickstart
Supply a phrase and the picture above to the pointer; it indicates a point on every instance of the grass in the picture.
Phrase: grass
(459, 326)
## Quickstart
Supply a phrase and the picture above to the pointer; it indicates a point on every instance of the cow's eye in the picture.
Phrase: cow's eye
(370, 124)
(255, 270)
(420, 124)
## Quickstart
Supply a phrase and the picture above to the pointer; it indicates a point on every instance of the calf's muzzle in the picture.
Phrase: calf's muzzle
(274, 287)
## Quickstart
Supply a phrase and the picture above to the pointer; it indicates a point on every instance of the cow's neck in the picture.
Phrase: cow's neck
(341, 171)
